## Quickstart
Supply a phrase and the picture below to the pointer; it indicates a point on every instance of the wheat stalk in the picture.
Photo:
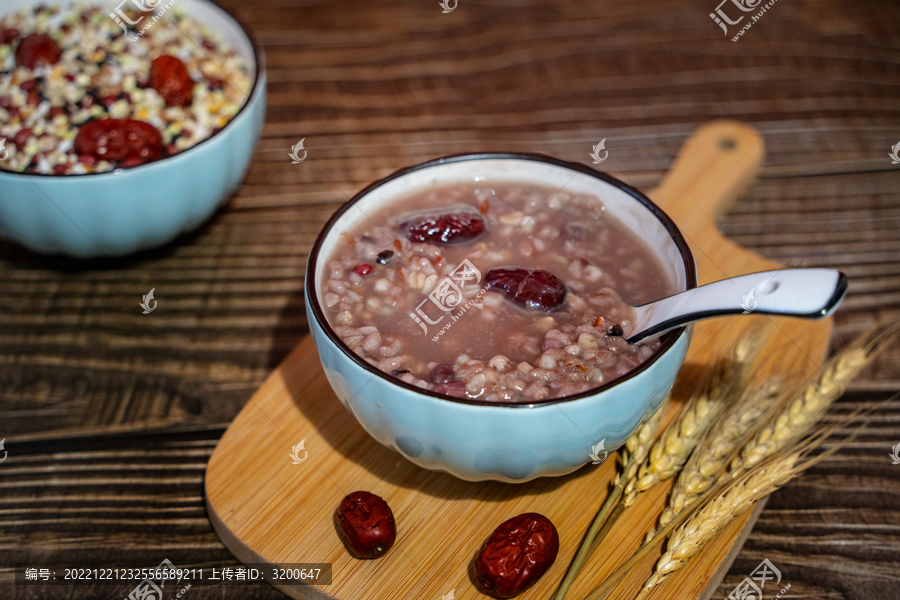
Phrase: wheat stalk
(670, 452)
(718, 447)
(694, 535)
(641, 459)
(637, 447)
(754, 481)
(695, 530)
(632, 455)
(803, 410)
(757, 482)
(795, 419)
(724, 503)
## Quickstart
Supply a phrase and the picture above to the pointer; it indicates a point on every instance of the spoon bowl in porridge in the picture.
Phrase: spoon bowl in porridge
(469, 312)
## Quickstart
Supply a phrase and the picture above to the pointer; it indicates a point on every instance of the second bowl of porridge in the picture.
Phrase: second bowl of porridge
(469, 312)
(119, 129)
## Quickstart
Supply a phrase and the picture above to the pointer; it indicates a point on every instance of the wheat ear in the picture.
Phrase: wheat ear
(670, 452)
(697, 528)
(699, 524)
(718, 447)
(632, 454)
(803, 410)
(872, 342)
(637, 447)
(733, 499)
(694, 535)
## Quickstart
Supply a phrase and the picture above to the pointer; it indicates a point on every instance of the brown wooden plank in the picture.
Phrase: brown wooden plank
(378, 85)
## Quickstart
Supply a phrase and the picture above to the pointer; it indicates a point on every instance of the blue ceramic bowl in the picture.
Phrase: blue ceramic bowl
(122, 211)
(477, 440)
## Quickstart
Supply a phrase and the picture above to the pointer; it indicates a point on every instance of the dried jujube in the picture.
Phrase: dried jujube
(516, 555)
(367, 523)
(170, 78)
(37, 48)
(127, 142)
(530, 288)
(456, 227)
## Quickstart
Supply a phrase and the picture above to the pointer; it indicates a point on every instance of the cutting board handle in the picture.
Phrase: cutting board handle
(716, 164)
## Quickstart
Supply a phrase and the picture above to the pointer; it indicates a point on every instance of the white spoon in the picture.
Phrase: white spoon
(804, 293)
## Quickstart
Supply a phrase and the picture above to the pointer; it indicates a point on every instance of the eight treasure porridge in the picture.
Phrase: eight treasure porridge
(507, 293)
(81, 93)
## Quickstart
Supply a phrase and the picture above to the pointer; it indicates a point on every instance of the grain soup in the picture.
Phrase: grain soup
(500, 293)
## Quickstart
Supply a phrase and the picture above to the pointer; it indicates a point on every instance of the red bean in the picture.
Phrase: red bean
(516, 555)
(170, 78)
(9, 35)
(443, 374)
(362, 270)
(368, 524)
(530, 288)
(37, 48)
(21, 138)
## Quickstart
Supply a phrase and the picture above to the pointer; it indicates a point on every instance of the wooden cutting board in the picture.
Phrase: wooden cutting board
(268, 510)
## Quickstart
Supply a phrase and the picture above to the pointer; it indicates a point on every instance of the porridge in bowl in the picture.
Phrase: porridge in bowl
(501, 293)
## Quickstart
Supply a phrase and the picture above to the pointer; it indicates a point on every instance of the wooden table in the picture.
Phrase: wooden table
(110, 415)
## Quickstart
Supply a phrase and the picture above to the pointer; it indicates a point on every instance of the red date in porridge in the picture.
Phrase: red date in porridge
(507, 293)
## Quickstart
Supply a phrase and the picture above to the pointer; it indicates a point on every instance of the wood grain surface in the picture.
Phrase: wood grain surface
(110, 416)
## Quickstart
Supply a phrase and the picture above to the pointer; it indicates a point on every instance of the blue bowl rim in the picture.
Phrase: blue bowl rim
(260, 71)
(668, 339)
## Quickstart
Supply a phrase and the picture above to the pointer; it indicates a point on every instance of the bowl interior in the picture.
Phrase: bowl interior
(621, 201)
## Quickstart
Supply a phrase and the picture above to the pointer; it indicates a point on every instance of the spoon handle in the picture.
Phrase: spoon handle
(804, 293)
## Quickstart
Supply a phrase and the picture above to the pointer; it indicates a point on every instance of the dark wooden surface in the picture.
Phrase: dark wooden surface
(110, 415)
